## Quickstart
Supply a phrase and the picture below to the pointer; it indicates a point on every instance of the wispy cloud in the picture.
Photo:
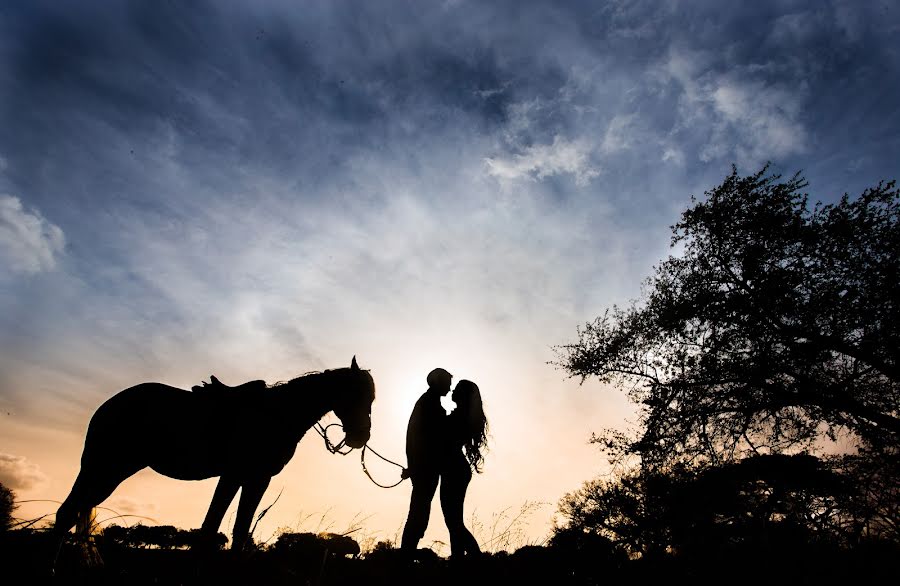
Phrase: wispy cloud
(765, 117)
(28, 242)
(18, 473)
(744, 117)
(128, 506)
(539, 161)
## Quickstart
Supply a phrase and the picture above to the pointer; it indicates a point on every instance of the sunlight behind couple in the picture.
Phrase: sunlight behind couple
(413, 383)
(406, 381)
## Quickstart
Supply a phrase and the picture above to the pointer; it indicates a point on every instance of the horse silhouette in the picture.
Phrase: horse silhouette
(244, 435)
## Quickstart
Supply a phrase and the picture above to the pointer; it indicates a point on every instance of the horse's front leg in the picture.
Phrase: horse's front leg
(225, 491)
(251, 493)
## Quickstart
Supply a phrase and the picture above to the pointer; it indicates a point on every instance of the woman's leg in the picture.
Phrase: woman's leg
(454, 484)
(452, 497)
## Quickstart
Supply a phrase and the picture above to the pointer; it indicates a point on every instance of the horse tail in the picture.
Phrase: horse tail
(86, 527)
(86, 523)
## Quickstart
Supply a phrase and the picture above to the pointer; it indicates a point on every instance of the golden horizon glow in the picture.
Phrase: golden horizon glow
(325, 492)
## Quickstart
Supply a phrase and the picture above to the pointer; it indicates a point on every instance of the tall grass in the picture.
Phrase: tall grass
(507, 529)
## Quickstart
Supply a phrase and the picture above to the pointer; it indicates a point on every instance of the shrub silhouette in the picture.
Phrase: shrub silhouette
(160, 537)
(7, 506)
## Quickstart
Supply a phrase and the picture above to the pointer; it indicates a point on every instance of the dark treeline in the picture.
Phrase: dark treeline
(570, 557)
(159, 536)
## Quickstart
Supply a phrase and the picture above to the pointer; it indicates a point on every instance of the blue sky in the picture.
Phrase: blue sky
(257, 190)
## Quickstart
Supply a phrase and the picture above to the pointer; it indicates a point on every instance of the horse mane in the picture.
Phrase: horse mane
(296, 379)
(308, 376)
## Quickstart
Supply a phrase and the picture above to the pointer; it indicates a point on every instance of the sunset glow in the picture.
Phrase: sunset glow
(256, 191)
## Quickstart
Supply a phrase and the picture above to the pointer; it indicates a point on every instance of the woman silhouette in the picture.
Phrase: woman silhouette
(468, 428)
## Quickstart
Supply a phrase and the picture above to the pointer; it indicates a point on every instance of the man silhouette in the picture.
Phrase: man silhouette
(427, 444)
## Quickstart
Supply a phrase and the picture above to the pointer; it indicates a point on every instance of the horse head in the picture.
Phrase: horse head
(353, 404)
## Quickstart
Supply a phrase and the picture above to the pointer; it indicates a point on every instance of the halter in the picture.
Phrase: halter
(338, 449)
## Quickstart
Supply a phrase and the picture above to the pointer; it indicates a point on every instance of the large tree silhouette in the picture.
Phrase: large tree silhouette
(774, 324)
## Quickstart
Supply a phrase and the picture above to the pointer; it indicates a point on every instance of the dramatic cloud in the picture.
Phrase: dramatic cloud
(254, 190)
(28, 242)
(17, 473)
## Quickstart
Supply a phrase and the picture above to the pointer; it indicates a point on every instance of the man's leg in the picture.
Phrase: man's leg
(424, 486)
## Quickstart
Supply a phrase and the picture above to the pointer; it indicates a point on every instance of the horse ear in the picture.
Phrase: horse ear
(353, 364)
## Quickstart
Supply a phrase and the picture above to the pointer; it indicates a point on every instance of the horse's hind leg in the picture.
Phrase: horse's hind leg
(92, 487)
(77, 502)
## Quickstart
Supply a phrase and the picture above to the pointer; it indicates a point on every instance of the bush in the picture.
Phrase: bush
(7, 505)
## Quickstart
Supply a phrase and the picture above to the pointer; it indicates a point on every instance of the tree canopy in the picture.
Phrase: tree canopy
(775, 324)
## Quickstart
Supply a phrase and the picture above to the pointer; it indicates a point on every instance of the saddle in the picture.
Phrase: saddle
(217, 386)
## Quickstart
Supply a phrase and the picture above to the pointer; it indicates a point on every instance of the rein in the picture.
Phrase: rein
(338, 449)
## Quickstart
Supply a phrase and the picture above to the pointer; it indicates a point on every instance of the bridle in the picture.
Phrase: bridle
(333, 448)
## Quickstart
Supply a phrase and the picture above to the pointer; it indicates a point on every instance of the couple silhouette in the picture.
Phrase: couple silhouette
(443, 449)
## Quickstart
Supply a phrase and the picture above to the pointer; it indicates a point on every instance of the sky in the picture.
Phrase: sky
(259, 190)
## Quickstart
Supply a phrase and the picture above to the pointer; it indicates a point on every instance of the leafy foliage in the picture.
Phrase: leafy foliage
(7, 505)
(873, 510)
(778, 323)
(762, 501)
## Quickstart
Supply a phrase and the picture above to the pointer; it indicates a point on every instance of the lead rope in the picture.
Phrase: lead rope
(338, 449)
(362, 460)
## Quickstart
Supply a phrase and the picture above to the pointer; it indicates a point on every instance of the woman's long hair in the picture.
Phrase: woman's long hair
(473, 421)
